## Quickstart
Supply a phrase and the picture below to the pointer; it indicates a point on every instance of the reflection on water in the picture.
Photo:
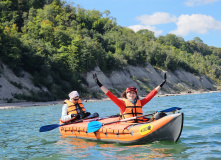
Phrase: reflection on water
(87, 149)
(160, 153)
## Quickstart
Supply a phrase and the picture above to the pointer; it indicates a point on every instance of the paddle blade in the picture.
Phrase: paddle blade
(170, 109)
(93, 126)
(48, 127)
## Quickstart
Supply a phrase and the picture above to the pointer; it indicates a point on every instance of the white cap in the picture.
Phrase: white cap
(73, 94)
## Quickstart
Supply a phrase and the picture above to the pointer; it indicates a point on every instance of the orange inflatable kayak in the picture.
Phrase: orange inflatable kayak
(167, 128)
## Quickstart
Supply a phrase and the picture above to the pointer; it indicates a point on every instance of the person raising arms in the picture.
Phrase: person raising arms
(130, 105)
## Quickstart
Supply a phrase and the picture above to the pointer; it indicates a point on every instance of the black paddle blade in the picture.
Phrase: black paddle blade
(48, 127)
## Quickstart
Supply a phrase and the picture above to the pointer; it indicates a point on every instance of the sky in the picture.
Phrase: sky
(184, 18)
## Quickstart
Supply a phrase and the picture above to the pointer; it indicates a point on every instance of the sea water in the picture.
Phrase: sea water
(200, 139)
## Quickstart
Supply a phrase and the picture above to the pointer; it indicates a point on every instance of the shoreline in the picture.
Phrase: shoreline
(33, 104)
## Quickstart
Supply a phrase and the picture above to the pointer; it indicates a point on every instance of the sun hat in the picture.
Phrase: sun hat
(73, 94)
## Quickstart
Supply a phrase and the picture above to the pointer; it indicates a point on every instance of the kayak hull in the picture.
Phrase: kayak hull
(168, 128)
(171, 131)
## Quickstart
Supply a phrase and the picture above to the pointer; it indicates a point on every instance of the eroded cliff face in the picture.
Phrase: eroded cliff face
(147, 78)
(144, 79)
(10, 84)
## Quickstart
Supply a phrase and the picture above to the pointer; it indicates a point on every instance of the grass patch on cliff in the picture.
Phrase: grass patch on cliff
(17, 85)
(144, 84)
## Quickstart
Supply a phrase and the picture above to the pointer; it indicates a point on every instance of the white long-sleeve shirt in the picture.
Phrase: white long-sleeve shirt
(64, 115)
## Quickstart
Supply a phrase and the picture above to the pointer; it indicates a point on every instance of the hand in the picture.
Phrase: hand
(164, 81)
(75, 115)
(96, 80)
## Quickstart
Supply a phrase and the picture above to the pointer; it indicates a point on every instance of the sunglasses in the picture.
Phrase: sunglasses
(76, 99)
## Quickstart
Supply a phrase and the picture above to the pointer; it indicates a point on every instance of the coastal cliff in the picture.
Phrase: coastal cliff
(147, 78)
(143, 78)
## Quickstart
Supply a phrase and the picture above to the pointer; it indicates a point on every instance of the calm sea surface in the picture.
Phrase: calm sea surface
(201, 137)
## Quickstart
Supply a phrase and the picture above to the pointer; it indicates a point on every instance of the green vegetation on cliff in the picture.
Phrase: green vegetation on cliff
(57, 42)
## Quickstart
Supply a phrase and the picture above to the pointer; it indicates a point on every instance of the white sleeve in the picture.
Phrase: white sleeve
(64, 116)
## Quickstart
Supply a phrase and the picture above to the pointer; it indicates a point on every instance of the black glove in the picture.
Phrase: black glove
(96, 80)
(164, 81)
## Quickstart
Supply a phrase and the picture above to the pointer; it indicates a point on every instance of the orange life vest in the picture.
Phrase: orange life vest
(132, 110)
(72, 108)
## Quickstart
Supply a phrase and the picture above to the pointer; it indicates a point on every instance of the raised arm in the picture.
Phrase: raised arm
(161, 85)
(105, 90)
(153, 92)
(117, 101)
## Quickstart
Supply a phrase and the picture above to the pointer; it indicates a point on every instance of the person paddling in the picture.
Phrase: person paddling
(73, 108)
(130, 105)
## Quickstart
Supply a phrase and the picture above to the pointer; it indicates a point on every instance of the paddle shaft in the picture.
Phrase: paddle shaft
(80, 120)
(128, 119)
(63, 124)
(165, 110)
(53, 126)
(95, 125)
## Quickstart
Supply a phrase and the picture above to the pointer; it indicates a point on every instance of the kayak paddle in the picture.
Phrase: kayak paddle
(53, 126)
(95, 125)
